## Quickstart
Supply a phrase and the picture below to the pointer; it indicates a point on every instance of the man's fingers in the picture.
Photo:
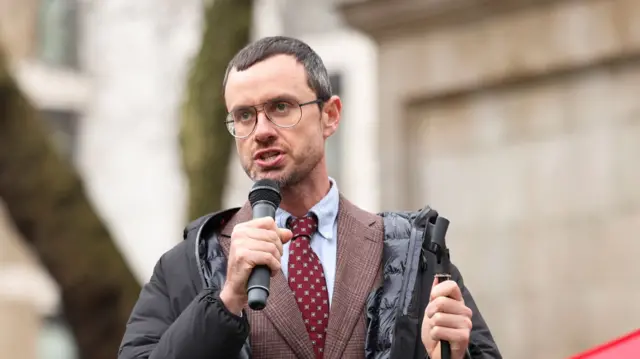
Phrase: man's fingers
(448, 288)
(285, 235)
(453, 336)
(449, 306)
(252, 258)
(259, 234)
(263, 246)
(263, 222)
(452, 321)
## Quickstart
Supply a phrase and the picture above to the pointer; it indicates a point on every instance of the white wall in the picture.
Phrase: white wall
(137, 56)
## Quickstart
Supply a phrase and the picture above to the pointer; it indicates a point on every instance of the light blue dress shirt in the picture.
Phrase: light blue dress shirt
(324, 241)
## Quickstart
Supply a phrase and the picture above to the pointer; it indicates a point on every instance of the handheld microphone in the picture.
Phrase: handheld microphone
(443, 272)
(265, 199)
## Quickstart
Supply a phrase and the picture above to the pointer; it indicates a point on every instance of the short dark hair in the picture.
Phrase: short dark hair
(317, 76)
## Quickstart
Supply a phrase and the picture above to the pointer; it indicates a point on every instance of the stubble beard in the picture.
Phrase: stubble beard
(287, 179)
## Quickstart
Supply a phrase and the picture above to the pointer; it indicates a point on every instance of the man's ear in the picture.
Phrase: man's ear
(331, 115)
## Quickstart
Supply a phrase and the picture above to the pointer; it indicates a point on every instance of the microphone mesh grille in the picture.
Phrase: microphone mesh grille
(265, 190)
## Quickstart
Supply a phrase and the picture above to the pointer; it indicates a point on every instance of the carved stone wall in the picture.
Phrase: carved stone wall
(524, 130)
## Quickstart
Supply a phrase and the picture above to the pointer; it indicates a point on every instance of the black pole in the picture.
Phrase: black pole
(438, 247)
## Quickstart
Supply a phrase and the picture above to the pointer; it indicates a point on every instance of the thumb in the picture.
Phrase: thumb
(433, 285)
(284, 234)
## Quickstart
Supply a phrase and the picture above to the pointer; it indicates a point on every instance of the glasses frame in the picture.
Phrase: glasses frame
(262, 106)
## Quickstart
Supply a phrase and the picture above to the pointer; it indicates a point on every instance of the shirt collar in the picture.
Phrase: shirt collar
(326, 210)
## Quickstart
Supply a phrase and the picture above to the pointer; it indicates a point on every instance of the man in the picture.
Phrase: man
(339, 274)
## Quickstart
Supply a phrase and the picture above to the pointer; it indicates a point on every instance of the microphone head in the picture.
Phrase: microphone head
(265, 190)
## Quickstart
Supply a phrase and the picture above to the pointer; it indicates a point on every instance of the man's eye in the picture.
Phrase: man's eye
(244, 115)
(282, 106)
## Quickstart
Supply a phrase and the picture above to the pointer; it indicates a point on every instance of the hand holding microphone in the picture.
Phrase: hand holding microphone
(255, 251)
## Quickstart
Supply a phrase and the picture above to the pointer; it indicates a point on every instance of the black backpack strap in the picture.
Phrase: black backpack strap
(416, 289)
(424, 281)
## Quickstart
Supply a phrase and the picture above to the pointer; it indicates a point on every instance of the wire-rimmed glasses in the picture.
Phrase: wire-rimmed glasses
(284, 113)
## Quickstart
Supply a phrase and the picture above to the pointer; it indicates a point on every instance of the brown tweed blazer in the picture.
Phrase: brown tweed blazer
(279, 332)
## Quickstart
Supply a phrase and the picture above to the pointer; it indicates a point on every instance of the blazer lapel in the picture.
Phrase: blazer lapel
(359, 254)
(281, 310)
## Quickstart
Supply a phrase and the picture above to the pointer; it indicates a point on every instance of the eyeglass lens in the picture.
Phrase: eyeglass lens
(242, 121)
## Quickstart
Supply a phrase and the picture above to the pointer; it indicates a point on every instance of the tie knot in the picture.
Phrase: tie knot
(303, 226)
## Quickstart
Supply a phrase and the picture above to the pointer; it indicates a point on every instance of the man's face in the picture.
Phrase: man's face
(286, 155)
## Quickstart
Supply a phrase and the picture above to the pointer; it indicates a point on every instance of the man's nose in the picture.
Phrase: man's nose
(265, 129)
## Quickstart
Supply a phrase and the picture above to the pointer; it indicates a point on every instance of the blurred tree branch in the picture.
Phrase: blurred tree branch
(206, 144)
(46, 200)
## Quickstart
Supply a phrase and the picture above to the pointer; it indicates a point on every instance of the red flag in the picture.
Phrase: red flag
(626, 347)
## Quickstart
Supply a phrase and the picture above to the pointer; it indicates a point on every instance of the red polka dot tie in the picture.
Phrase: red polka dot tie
(307, 281)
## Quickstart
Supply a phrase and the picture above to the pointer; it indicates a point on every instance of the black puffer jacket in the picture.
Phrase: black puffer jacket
(164, 322)
(395, 310)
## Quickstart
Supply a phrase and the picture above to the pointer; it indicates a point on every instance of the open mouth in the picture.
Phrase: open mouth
(268, 155)
(268, 158)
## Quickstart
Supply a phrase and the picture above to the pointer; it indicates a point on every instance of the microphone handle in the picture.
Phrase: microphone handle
(260, 277)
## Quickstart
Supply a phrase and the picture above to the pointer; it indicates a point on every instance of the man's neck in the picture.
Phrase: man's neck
(299, 199)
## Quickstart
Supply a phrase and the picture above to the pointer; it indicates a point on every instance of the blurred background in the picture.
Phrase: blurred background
(518, 120)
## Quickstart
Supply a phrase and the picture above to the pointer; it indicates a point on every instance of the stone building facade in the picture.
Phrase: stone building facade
(520, 122)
